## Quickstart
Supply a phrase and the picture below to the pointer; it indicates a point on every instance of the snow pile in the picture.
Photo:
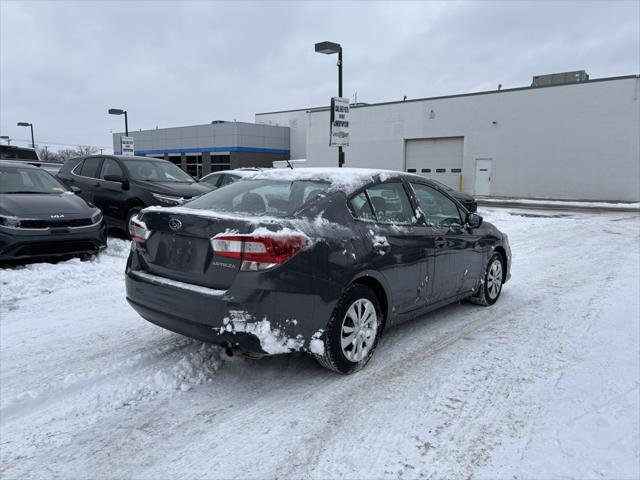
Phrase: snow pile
(564, 203)
(272, 340)
(316, 345)
(38, 280)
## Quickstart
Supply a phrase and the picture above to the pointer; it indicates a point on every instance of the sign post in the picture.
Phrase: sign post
(126, 146)
(339, 131)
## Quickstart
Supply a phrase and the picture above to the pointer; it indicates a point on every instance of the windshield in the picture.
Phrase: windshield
(16, 153)
(155, 171)
(28, 180)
(275, 198)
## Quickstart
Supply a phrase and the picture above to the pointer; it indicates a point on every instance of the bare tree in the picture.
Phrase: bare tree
(79, 151)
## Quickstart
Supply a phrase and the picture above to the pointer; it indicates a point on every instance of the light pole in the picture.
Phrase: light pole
(118, 111)
(27, 124)
(329, 48)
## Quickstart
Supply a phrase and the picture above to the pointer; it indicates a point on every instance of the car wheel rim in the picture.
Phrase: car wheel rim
(494, 279)
(358, 332)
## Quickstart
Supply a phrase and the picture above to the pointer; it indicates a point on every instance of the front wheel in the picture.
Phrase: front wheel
(491, 282)
(353, 330)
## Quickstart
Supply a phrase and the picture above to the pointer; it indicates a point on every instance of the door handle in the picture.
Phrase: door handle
(382, 247)
(440, 242)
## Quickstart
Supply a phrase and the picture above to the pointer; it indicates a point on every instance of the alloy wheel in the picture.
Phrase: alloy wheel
(494, 279)
(358, 332)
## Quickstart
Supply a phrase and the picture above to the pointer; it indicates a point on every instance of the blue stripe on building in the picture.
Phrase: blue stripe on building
(210, 149)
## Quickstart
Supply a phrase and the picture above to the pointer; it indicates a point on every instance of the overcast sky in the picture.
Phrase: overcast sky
(63, 64)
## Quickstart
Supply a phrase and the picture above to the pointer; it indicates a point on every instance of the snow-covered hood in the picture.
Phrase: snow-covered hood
(30, 205)
(187, 190)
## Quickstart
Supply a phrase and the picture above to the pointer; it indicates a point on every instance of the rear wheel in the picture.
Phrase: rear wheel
(353, 331)
(132, 213)
(492, 282)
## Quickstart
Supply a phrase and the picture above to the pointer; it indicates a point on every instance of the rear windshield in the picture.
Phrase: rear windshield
(28, 180)
(156, 171)
(15, 153)
(273, 198)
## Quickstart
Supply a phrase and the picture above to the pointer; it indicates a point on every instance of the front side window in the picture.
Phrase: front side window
(89, 167)
(111, 167)
(276, 198)
(438, 209)
(390, 203)
(28, 180)
(155, 171)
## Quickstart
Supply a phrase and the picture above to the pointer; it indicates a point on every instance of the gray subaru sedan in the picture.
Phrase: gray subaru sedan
(314, 260)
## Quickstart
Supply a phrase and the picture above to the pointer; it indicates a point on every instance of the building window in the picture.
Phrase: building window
(426, 170)
(456, 170)
(411, 170)
(441, 170)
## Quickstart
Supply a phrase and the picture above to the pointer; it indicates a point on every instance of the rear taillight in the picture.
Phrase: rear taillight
(258, 252)
(138, 230)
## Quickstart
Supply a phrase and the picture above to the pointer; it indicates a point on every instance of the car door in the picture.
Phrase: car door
(457, 250)
(85, 176)
(110, 196)
(396, 246)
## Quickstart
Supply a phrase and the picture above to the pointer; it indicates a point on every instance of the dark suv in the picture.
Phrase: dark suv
(121, 186)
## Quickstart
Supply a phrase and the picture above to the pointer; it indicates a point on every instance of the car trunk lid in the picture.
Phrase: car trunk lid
(179, 247)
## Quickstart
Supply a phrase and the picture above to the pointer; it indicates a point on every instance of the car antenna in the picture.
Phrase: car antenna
(289, 164)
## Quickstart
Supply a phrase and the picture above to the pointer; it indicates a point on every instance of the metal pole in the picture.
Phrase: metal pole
(126, 124)
(33, 144)
(340, 152)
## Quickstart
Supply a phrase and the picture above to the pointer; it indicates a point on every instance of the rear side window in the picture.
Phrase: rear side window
(361, 207)
(89, 167)
(390, 203)
(438, 209)
(111, 167)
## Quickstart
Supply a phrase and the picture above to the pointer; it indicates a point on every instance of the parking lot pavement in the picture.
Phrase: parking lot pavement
(543, 384)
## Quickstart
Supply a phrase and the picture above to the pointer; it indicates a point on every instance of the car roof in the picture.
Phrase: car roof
(13, 163)
(133, 157)
(16, 147)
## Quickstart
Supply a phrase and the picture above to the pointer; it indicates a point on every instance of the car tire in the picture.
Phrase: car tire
(492, 282)
(130, 214)
(353, 331)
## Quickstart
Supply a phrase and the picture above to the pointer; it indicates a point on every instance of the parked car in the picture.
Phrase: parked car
(39, 217)
(28, 155)
(464, 198)
(121, 186)
(225, 177)
(317, 260)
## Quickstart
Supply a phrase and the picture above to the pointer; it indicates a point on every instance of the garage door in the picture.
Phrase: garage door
(436, 158)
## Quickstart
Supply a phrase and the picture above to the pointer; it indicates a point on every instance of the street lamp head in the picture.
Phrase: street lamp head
(116, 111)
(4, 137)
(24, 124)
(327, 47)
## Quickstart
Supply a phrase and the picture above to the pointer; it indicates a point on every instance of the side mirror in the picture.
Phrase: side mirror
(114, 178)
(118, 179)
(474, 220)
(75, 190)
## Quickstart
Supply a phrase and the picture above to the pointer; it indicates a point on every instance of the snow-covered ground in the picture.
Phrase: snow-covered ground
(545, 384)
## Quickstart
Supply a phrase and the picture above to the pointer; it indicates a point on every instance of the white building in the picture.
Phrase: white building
(577, 140)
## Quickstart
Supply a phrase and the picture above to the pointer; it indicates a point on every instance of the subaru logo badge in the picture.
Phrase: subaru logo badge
(175, 224)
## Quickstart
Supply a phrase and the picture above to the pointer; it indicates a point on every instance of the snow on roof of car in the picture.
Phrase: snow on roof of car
(347, 179)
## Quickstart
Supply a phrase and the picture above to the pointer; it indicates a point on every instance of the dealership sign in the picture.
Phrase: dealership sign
(339, 122)
(126, 145)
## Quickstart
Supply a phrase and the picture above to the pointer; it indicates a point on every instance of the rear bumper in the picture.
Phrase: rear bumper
(25, 244)
(246, 318)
